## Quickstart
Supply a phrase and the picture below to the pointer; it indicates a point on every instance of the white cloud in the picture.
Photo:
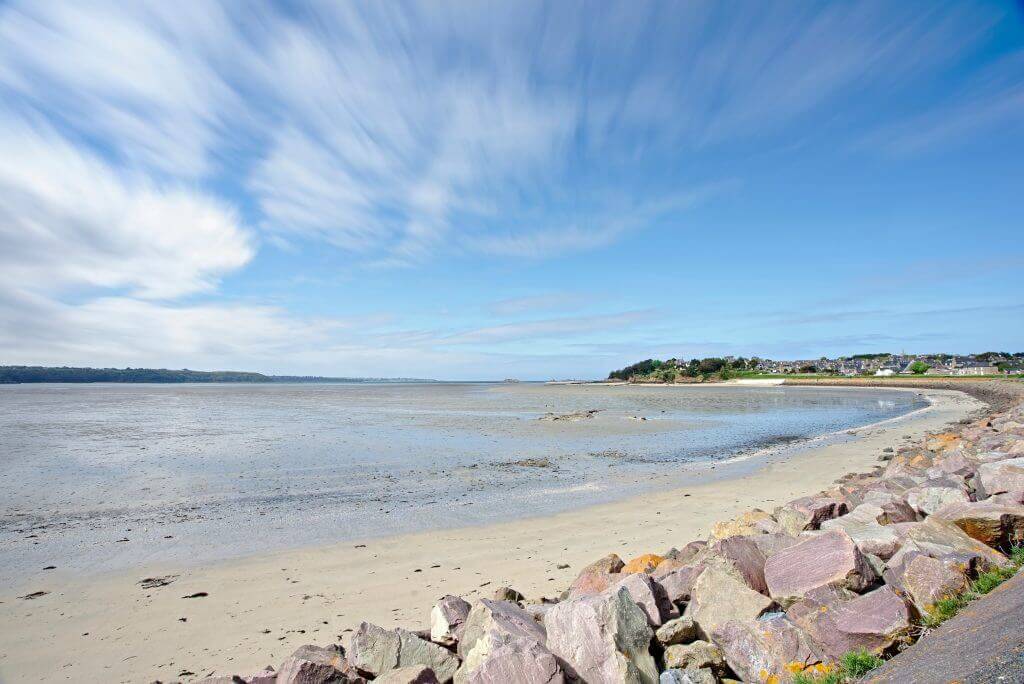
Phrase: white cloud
(67, 219)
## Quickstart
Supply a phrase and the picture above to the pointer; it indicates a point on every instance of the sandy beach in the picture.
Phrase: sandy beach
(243, 614)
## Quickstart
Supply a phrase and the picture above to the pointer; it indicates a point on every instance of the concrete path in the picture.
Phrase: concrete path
(982, 645)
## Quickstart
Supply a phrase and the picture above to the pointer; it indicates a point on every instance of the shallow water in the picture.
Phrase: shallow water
(192, 473)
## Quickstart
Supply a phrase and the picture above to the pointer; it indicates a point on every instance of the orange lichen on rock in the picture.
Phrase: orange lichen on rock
(645, 563)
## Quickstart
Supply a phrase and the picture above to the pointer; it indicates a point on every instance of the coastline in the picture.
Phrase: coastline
(261, 608)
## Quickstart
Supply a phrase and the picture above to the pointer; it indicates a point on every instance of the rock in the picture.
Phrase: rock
(771, 649)
(1002, 476)
(936, 537)
(746, 555)
(604, 639)
(720, 595)
(678, 583)
(313, 665)
(696, 655)
(645, 563)
(609, 564)
(894, 508)
(499, 617)
(840, 623)
(376, 650)
(515, 659)
(688, 552)
(447, 618)
(590, 583)
(828, 559)
(416, 674)
(648, 595)
(755, 521)
(862, 525)
(924, 580)
(991, 522)
(264, 676)
(507, 594)
(927, 500)
(807, 513)
(681, 630)
(690, 676)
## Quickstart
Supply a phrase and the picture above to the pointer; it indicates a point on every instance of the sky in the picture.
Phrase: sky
(473, 190)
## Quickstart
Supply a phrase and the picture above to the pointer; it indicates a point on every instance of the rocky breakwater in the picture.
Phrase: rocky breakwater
(773, 597)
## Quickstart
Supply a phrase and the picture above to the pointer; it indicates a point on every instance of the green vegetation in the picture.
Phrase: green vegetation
(674, 370)
(33, 374)
(851, 667)
(919, 368)
(948, 606)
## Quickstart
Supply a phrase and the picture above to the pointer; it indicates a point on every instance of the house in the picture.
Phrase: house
(885, 372)
(976, 370)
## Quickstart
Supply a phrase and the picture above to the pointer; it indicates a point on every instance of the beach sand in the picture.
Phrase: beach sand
(257, 610)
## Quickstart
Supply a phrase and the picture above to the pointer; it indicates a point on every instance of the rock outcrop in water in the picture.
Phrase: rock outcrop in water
(767, 597)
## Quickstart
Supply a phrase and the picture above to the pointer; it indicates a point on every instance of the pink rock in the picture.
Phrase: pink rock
(746, 555)
(590, 583)
(940, 538)
(649, 596)
(991, 522)
(1002, 476)
(926, 500)
(516, 660)
(925, 580)
(863, 527)
(416, 674)
(828, 559)
(446, 619)
(313, 665)
(678, 583)
(502, 618)
(762, 650)
(720, 594)
(808, 512)
(874, 621)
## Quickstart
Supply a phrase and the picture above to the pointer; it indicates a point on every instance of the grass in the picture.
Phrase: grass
(851, 667)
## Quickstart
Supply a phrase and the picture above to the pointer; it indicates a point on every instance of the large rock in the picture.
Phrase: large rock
(771, 649)
(515, 659)
(720, 595)
(840, 622)
(502, 618)
(416, 674)
(590, 583)
(828, 559)
(808, 512)
(649, 596)
(689, 676)
(604, 639)
(1002, 476)
(862, 525)
(678, 582)
(936, 537)
(926, 500)
(991, 522)
(447, 618)
(314, 665)
(607, 564)
(645, 563)
(754, 521)
(747, 556)
(924, 580)
(697, 655)
(376, 650)
(894, 507)
(682, 630)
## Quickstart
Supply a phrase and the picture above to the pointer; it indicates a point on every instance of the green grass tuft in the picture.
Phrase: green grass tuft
(856, 664)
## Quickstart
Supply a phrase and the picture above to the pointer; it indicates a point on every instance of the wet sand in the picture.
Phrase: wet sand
(256, 610)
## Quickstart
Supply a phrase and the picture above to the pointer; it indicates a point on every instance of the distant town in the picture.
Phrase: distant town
(878, 365)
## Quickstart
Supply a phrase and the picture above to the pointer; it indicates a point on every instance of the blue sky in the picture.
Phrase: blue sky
(475, 190)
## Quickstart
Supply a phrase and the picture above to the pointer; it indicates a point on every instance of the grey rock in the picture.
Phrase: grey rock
(447, 618)
(681, 630)
(376, 650)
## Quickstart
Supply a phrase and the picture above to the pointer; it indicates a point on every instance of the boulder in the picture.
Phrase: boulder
(827, 559)
(678, 583)
(720, 595)
(808, 512)
(650, 596)
(590, 583)
(936, 537)
(416, 674)
(895, 508)
(746, 555)
(682, 630)
(755, 521)
(645, 563)
(770, 649)
(926, 500)
(376, 650)
(1002, 476)
(264, 676)
(841, 622)
(991, 521)
(862, 525)
(690, 676)
(516, 659)
(502, 618)
(447, 618)
(314, 665)
(507, 594)
(942, 442)
(608, 564)
(688, 552)
(772, 542)
(603, 639)
(925, 580)
(697, 655)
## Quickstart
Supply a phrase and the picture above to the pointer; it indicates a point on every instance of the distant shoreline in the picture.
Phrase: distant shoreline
(21, 375)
